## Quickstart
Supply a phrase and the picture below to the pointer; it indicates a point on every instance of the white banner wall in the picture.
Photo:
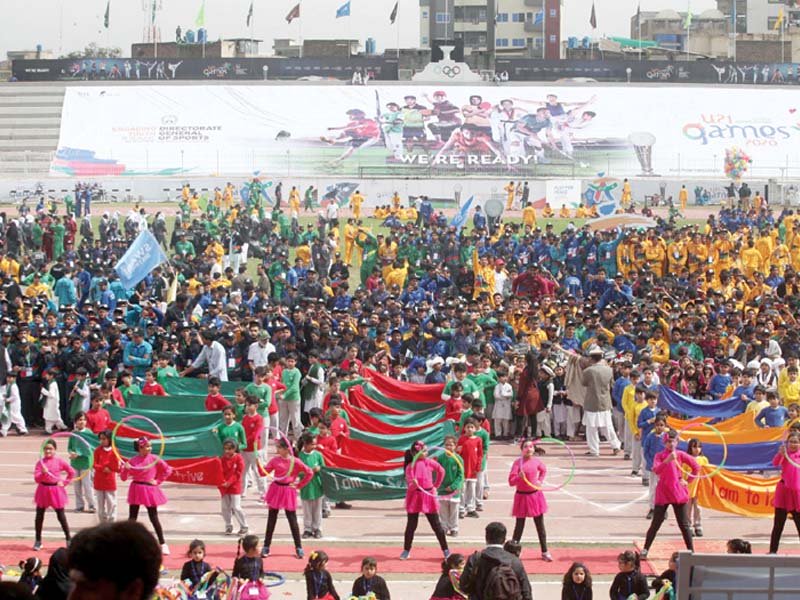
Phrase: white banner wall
(514, 132)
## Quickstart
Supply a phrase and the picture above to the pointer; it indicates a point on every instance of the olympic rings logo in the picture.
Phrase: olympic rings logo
(448, 71)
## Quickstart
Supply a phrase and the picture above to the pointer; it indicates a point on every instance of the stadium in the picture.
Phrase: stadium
(504, 263)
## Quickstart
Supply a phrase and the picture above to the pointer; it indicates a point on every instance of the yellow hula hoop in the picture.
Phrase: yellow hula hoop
(147, 420)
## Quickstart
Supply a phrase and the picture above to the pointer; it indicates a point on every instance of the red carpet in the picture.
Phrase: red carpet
(343, 559)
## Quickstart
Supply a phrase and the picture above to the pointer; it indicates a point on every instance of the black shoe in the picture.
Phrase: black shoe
(343, 505)
(37, 545)
(264, 551)
(473, 514)
(307, 534)
(317, 534)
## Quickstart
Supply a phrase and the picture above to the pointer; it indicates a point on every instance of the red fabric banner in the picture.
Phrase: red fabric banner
(342, 461)
(204, 471)
(366, 422)
(402, 390)
(358, 450)
(357, 397)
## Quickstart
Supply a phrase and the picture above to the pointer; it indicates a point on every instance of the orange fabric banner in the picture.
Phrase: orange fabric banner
(737, 494)
(740, 429)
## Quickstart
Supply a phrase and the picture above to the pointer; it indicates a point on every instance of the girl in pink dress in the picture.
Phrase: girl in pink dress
(787, 493)
(51, 489)
(421, 477)
(527, 475)
(147, 472)
(671, 489)
(282, 493)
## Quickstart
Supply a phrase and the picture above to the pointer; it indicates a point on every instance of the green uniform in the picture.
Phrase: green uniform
(469, 388)
(264, 394)
(163, 374)
(58, 240)
(370, 255)
(127, 391)
(291, 379)
(313, 490)
(484, 435)
(185, 248)
(278, 283)
(82, 460)
(453, 474)
(234, 431)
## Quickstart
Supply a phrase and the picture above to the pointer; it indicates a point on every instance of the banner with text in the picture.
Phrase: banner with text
(407, 131)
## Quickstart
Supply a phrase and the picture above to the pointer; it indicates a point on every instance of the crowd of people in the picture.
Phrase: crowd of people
(707, 310)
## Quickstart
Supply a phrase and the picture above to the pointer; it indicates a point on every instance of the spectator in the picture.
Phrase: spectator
(495, 567)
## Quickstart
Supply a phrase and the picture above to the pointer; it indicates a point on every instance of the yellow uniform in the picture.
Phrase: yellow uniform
(529, 216)
(697, 256)
(547, 212)
(484, 276)
(683, 198)
(633, 416)
(625, 201)
(38, 289)
(350, 233)
(509, 189)
(752, 261)
(676, 256)
(356, 200)
(564, 212)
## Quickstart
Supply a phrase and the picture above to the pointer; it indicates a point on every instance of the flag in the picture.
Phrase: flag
(293, 14)
(250, 13)
(200, 20)
(343, 10)
(153, 13)
(393, 16)
(144, 255)
(461, 218)
(779, 21)
(593, 18)
(107, 15)
(639, 15)
(539, 18)
(688, 21)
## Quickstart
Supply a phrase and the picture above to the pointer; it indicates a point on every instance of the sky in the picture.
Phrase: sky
(63, 26)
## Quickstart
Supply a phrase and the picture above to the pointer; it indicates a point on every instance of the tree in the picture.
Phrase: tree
(95, 51)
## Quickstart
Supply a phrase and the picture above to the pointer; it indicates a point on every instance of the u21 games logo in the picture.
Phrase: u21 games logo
(601, 193)
(716, 127)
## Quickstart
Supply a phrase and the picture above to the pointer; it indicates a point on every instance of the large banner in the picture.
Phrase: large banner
(719, 72)
(423, 131)
(199, 69)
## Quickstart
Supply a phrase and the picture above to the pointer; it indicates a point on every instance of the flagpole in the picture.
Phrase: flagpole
(300, 27)
(733, 33)
(544, 28)
(689, 29)
(783, 40)
(639, 25)
(397, 29)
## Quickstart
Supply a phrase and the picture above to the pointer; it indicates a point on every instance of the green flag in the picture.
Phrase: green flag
(106, 17)
(688, 21)
(200, 21)
(153, 14)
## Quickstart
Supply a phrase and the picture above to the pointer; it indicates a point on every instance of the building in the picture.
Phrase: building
(288, 48)
(524, 28)
(756, 39)
(756, 16)
(232, 48)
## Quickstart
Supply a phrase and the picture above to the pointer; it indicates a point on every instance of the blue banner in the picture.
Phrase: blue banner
(144, 255)
(461, 217)
(716, 409)
(741, 457)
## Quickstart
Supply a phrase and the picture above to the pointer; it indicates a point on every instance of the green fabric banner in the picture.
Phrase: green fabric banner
(410, 405)
(411, 419)
(170, 422)
(199, 444)
(434, 436)
(190, 386)
(341, 485)
(137, 402)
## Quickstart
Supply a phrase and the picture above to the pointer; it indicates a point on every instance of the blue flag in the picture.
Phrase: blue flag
(461, 217)
(144, 255)
(343, 10)
(539, 18)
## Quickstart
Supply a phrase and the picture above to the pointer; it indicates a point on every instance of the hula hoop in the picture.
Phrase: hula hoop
(291, 453)
(75, 435)
(447, 452)
(273, 579)
(115, 450)
(786, 439)
(721, 465)
(552, 488)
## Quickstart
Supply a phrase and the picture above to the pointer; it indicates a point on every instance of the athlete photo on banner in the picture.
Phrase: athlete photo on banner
(418, 130)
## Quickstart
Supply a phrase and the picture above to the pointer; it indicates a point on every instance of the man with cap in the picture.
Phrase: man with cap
(596, 378)
(259, 351)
